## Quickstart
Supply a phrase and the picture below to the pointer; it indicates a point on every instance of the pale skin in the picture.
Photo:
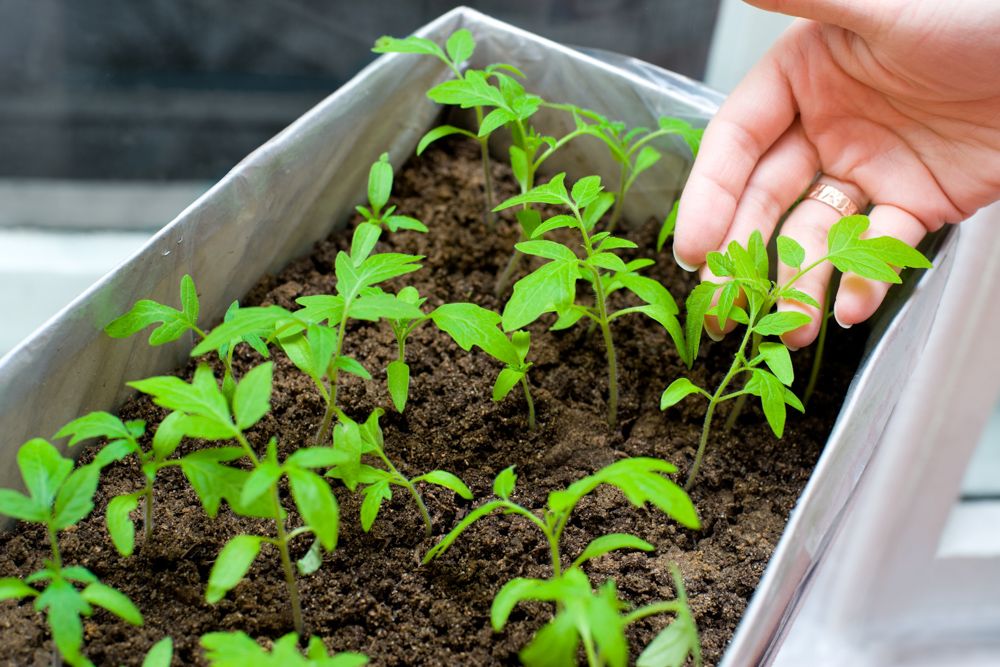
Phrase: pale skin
(895, 102)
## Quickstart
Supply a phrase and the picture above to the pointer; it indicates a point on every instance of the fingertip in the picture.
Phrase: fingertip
(805, 335)
(857, 299)
(687, 266)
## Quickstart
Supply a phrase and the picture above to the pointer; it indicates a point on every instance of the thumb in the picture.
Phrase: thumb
(861, 16)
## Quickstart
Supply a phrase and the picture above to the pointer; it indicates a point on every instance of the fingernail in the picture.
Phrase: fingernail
(684, 265)
(714, 336)
(842, 325)
(792, 348)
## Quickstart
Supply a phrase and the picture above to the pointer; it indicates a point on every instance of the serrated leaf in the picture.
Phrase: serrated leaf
(779, 361)
(505, 382)
(615, 243)
(607, 260)
(114, 601)
(412, 44)
(247, 321)
(800, 296)
(398, 379)
(231, 565)
(546, 289)
(504, 483)
(586, 190)
(64, 605)
(555, 222)
(75, 499)
(677, 391)
(97, 424)
(553, 192)
(897, 253)
(201, 398)
(474, 90)
(252, 399)
(119, 523)
(460, 45)
(316, 505)
(320, 307)
(43, 470)
(471, 325)
(790, 252)
(447, 480)
(775, 324)
(720, 264)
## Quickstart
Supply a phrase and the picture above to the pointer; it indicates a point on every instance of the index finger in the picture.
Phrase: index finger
(751, 119)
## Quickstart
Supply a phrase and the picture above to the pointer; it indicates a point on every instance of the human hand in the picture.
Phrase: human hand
(895, 102)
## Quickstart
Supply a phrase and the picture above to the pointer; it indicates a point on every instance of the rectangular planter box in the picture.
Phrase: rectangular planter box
(302, 184)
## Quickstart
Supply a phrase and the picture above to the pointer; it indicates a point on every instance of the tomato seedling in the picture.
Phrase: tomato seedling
(379, 188)
(768, 368)
(59, 497)
(238, 649)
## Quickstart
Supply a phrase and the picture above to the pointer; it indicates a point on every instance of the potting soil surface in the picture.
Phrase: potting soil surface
(372, 594)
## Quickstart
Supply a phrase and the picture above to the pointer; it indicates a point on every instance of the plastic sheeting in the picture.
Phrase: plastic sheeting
(302, 184)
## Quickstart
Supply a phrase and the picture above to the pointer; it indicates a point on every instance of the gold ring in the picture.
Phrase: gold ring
(833, 198)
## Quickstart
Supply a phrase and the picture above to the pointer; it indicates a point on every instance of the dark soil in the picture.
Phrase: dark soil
(372, 594)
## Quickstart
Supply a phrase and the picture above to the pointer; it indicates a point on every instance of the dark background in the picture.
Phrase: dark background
(183, 89)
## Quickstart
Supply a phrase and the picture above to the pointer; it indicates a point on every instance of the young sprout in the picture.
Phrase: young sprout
(379, 188)
(238, 649)
(59, 497)
(471, 325)
(207, 415)
(398, 371)
(458, 49)
(352, 442)
(552, 287)
(768, 368)
(597, 621)
(175, 323)
(631, 149)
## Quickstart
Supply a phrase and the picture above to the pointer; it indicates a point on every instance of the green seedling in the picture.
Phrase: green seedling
(458, 49)
(580, 614)
(768, 368)
(207, 415)
(598, 621)
(474, 326)
(59, 497)
(353, 442)
(175, 323)
(630, 148)
(398, 371)
(160, 654)
(237, 649)
(552, 287)
(123, 439)
(379, 188)
(317, 349)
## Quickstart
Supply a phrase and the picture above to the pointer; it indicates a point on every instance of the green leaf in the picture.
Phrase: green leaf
(119, 523)
(312, 561)
(607, 260)
(772, 398)
(75, 499)
(790, 252)
(546, 289)
(412, 44)
(690, 135)
(520, 166)
(397, 222)
(460, 45)
(596, 209)
(471, 325)
(168, 435)
(375, 269)
(672, 646)
(727, 297)
(775, 324)
(79, 574)
(201, 398)
(800, 296)
(554, 645)
(64, 605)
(608, 543)
(845, 233)
(114, 601)
(316, 504)
(398, 374)
(374, 495)
(779, 361)
(648, 156)
(521, 340)
(586, 190)
(505, 382)
(547, 249)
(866, 264)
(259, 481)
(495, 119)
(12, 588)
(231, 566)
(97, 425)
(20, 506)
(555, 222)
(667, 229)
(252, 399)
(379, 183)
(720, 264)
(472, 91)
(160, 654)
(677, 391)
(447, 480)
(363, 241)
(614, 243)
(320, 307)
(453, 534)
(440, 132)
(247, 321)
(529, 219)
(212, 481)
(314, 457)
(43, 470)
(514, 591)
(503, 485)
(698, 303)
(377, 305)
(895, 252)
(553, 192)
